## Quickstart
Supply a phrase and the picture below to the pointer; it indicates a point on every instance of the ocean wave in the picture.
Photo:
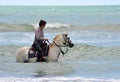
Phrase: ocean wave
(57, 79)
(80, 52)
(87, 37)
(84, 52)
(74, 63)
(57, 25)
(54, 25)
(5, 27)
(74, 27)
(60, 27)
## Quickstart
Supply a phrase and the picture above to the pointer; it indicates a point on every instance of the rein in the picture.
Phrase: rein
(59, 46)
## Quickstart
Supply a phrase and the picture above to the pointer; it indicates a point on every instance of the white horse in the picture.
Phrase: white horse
(55, 48)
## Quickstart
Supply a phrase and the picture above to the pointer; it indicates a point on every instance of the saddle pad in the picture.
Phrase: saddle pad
(31, 54)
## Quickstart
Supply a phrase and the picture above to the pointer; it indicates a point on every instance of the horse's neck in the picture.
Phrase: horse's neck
(55, 47)
(54, 52)
(56, 44)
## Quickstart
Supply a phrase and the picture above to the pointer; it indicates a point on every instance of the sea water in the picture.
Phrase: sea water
(74, 15)
(94, 58)
(85, 37)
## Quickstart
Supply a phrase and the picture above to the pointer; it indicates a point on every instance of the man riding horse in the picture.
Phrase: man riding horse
(40, 50)
(39, 40)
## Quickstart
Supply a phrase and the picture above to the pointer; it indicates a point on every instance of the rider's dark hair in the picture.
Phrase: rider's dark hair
(42, 22)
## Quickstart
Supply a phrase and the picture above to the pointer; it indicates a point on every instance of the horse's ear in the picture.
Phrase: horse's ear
(66, 34)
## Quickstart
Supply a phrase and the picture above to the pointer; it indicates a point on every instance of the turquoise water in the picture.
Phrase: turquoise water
(95, 57)
(75, 15)
(101, 39)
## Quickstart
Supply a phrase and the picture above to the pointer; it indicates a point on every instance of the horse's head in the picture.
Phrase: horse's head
(63, 40)
(67, 41)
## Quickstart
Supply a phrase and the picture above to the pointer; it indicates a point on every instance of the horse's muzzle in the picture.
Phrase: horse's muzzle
(71, 45)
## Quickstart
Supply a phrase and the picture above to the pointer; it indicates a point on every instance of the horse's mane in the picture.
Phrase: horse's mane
(57, 36)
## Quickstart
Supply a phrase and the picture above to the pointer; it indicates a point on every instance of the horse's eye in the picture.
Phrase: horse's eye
(64, 43)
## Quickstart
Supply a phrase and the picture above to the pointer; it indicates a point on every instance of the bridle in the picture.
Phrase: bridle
(59, 46)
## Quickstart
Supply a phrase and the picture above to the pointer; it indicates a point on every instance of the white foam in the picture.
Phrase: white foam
(56, 79)
(56, 25)
(53, 25)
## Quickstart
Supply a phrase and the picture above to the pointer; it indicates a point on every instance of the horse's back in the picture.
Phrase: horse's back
(22, 54)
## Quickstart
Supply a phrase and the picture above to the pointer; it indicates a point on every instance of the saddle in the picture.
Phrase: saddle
(33, 52)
